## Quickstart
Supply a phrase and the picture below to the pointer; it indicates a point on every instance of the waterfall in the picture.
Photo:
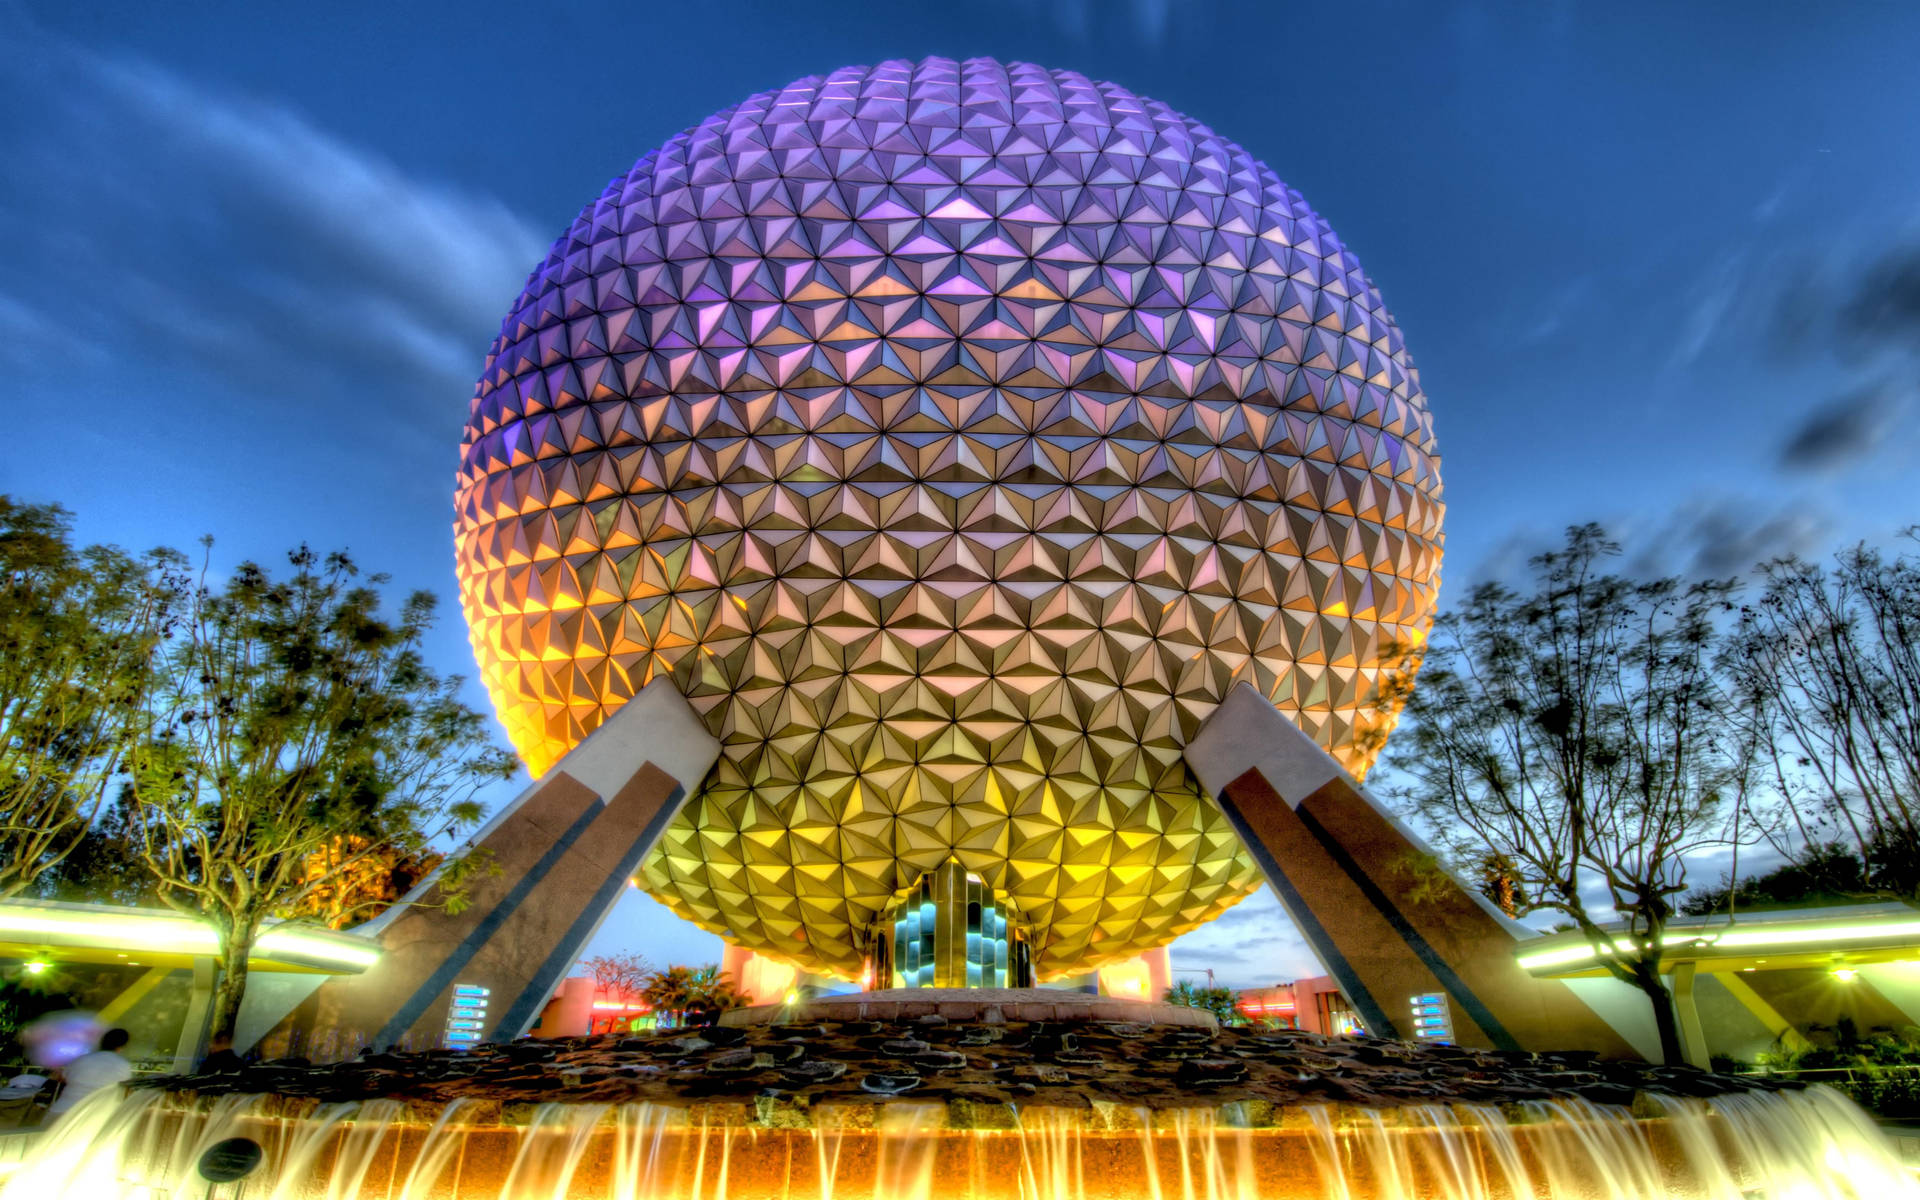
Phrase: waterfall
(1806, 1145)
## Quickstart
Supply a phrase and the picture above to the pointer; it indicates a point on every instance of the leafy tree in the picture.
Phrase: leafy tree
(1830, 874)
(80, 633)
(294, 720)
(355, 881)
(1827, 663)
(104, 865)
(1568, 746)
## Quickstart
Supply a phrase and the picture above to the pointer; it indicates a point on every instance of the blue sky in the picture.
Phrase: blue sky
(1659, 264)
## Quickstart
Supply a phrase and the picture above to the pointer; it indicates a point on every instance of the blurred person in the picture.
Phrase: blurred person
(89, 1073)
(53, 1040)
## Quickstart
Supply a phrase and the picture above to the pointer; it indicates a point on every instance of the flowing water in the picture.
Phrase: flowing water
(1811, 1145)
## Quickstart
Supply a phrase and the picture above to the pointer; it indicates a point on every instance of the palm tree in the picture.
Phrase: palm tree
(1222, 1002)
(668, 993)
(712, 993)
(692, 995)
(1184, 994)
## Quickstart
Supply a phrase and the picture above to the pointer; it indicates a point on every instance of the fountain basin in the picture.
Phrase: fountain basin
(936, 1110)
(1811, 1144)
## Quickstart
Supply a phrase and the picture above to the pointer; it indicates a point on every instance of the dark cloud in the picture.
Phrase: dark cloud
(1829, 302)
(1730, 539)
(1705, 537)
(1884, 307)
(1858, 312)
(1714, 537)
(157, 226)
(1509, 561)
(1845, 431)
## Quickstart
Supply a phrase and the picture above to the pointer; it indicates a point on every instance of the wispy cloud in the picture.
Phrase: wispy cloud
(1151, 19)
(1147, 23)
(156, 221)
(1718, 298)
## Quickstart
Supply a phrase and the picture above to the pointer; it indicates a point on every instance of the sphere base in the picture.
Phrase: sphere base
(989, 1006)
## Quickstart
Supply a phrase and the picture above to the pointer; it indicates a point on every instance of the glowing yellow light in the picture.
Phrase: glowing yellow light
(793, 997)
(1845, 974)
(1562, 956)
(36, 968)
(1818, 933)
(1752, 937)
(173, 933)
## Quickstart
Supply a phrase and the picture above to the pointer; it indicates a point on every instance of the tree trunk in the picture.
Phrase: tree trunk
(1646, 977)
(229, 989)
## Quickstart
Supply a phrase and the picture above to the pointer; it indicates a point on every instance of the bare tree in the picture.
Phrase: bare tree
(297, 726)
(1569, 744)
(1827, 661)
(80, 631)
(619, 977)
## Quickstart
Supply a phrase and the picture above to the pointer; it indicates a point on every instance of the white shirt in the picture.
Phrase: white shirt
(87, 1075)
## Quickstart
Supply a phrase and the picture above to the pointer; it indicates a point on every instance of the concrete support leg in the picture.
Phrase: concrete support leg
(1693, 1038)
(1381, 913)
(193, 1029)
(1782, 1029)
(133, 994)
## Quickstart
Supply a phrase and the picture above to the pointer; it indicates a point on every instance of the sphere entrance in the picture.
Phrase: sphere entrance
(952, 930)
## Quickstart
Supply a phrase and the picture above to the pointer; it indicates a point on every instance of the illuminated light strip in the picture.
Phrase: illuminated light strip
(1734, 939)
(167, 933)
(1796, 937)
(615, 1004)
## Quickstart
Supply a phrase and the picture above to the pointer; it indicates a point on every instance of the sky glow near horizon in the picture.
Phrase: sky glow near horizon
(1660, 269)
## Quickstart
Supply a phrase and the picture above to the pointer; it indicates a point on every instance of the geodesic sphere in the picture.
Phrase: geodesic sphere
(953, 435)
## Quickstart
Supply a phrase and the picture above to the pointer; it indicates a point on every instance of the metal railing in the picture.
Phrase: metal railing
(1891, 1092)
